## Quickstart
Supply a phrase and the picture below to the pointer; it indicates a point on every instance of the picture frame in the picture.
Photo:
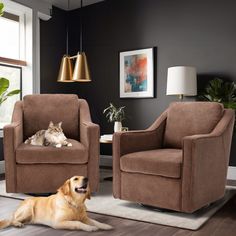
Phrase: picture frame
(137, 73)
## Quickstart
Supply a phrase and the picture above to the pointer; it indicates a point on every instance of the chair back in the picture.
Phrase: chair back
(39, 110)
(190, 118)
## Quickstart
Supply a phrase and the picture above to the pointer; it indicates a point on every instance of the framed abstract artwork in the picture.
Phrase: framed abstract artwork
(136, 73)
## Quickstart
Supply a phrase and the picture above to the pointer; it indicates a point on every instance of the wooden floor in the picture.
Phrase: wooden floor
(223, 223)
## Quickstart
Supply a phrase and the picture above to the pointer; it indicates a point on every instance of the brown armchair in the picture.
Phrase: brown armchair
(36, 169)
(180, 162)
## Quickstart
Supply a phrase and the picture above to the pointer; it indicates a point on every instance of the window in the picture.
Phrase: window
(15, 54)
(14, 74)
(10, 41)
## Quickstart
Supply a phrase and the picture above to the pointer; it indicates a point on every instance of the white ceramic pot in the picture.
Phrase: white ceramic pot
(117, 126)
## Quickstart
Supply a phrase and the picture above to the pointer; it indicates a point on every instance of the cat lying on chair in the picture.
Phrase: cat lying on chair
(53, 136)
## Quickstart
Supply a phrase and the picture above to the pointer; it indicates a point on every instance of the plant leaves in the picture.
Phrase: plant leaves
(4, 85)
(13, 92)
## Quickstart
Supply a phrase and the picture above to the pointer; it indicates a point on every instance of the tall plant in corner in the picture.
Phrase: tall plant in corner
(218, 90)
(4, 83)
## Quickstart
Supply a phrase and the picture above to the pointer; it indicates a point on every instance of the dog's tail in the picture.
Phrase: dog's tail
(4, 224)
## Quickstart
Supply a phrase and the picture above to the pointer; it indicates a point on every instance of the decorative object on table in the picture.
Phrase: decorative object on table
(4, 94)
(125, 129)
(221, 91)
(116, 115)
(137, 74)
(106, 138)
(81, 71)
(181, 81)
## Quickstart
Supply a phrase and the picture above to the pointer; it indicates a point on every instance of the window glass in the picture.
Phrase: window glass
(13, 74)
(10, 36)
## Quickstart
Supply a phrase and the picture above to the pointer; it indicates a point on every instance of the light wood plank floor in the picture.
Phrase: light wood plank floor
(223, 223)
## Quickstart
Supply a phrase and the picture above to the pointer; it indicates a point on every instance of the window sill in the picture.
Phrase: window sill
(13, 61)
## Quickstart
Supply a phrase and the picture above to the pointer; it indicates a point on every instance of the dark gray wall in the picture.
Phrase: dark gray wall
(198, 33)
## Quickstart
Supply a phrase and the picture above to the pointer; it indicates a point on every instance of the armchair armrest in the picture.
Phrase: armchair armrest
(134, 141)
(13, 137)
(140, 140)
(205, 162)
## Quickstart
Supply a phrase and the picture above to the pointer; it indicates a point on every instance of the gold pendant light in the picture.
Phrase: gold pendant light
(66, 69)
(81, 71)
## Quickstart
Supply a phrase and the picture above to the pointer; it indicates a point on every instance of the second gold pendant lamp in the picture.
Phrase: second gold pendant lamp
(81, 71)
(66, 68)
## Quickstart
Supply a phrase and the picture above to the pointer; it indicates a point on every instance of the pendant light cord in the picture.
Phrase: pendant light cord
(81, 26)
(67, 30)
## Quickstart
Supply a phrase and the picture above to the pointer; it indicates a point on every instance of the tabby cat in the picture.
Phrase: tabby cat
(53, 136)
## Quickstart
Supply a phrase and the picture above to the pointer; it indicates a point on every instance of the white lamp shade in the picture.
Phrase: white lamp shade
(181, 80)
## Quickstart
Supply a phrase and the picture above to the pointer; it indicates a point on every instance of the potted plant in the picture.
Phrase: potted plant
(116, 115)
(218, 90)
(4, 94)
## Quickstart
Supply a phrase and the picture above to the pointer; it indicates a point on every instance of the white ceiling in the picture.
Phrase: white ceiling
(63, 4)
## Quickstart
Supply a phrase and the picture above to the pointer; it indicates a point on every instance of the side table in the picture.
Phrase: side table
(107, 139)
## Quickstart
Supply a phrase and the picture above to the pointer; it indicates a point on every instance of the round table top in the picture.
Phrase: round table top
(107, 138)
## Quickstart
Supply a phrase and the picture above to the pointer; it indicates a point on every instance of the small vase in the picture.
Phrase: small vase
(117, 126)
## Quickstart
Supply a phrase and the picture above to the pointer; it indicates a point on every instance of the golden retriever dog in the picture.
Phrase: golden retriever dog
(63, 210)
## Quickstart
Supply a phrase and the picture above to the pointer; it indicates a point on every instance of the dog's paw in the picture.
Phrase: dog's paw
(105, 227)
(69, 144)
(18, 224)
(90, 228)
(58, 145)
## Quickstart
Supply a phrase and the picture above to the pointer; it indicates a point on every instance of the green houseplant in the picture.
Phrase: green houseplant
(4, 94)
(116, 115)
(221, 91)
(1, 8)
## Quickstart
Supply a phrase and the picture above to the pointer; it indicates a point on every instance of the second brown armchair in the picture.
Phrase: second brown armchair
(40, 169)
(180, 162)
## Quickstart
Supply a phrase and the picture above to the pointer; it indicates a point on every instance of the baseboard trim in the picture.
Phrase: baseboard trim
(106, 160)
(231, 173)
(2, 167)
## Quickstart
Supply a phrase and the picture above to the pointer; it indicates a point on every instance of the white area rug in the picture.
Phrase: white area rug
(104, 203)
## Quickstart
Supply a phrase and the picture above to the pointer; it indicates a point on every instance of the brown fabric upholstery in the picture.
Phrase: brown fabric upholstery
(189, 118)
(134, 141)
(151, 190)
(162, 162)
(43, 169)
(29, 154)
(39, 110)
(146, 172)
(46, 178)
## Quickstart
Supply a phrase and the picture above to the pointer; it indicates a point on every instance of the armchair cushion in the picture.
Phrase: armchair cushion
(29, 154)
(162, 162)
(190, 118)
(40, 109)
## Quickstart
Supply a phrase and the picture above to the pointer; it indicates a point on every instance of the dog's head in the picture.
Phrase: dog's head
(77, 188)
